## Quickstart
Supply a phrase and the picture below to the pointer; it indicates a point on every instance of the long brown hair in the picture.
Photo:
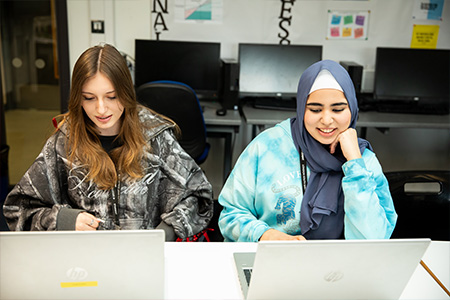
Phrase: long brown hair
(83, 142)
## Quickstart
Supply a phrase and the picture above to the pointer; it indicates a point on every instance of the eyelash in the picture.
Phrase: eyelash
(337, 110)
(92, 98)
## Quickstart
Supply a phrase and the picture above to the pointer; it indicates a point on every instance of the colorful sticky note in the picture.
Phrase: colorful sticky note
(359, 32)
(347, 31)
(334, 31)
(360, 20)
(425, 36)
(335, 20)
(348, 19)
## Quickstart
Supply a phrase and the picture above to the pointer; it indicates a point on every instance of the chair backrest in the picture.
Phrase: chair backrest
(422, 202)
(179, 102)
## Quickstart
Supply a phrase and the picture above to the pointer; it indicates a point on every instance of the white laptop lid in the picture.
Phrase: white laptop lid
(126, 264)
(337, 269)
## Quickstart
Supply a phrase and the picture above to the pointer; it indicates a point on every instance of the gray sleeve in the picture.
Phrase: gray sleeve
(35, 201)
(185, 193)
(67, 218)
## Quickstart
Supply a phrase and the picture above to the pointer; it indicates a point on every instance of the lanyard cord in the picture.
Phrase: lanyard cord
(303, 170)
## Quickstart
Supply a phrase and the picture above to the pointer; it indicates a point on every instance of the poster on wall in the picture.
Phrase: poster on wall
(198, 11)
(428, 10)
(425, 36)
(347, 25)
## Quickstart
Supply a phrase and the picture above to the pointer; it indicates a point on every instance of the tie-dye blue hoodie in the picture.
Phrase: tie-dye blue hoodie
(264, 191)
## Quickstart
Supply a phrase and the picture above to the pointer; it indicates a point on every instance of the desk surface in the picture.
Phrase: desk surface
(258, 116)
(207, 271)
(255, 116)
(232, 118)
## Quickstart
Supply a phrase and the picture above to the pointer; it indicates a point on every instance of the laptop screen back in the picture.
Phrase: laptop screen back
(363, 269)
(82, 265)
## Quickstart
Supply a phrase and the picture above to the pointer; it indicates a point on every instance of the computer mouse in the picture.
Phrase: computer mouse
(221, 112)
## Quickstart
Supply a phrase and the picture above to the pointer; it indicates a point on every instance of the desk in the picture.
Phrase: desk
(207, 271)
(223, 127)
(264, 117)
(391, 120)
(384, 121)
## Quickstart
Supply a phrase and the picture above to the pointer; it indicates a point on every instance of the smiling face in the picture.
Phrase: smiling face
(326, 115)
(101, 105)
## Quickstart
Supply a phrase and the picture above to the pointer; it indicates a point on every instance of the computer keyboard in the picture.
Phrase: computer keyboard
(289, 104)
(248, 274)
(367, 102)
(413, 109)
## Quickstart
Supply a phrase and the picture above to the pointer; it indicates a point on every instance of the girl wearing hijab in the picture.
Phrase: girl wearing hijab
(111, 163)
(310, 177)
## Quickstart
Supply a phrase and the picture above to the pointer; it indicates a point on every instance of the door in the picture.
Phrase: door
(34, 81)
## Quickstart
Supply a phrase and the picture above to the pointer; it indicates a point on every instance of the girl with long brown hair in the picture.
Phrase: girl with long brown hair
(111, 164)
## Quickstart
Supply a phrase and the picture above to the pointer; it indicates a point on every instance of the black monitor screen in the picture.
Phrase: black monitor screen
(412, 74)
(196, 64)
(274, 70)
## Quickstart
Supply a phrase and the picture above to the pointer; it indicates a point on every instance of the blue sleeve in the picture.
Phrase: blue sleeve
(368, 205)
(238, 220)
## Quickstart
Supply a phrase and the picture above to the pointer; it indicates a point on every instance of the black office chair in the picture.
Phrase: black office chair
(216, 235)
(179, 102)
(422, 202)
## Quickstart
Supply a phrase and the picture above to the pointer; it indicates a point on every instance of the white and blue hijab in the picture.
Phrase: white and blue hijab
(322, 209)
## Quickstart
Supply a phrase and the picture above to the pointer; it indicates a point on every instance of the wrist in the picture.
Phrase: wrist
(353, 156)
(267, 234)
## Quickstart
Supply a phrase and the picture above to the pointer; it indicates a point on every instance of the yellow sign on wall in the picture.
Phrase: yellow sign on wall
(425, 36)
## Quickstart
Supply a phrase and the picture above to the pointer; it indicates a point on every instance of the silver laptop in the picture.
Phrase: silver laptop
(82, 265)
(329, 269)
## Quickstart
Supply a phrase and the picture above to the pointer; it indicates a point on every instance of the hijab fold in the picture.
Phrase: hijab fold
(322, 208)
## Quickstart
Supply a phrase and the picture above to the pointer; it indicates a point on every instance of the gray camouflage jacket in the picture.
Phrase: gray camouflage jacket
(174, 195)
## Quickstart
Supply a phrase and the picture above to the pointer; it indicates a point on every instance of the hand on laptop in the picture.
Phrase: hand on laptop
(86, 221)
(273, 234)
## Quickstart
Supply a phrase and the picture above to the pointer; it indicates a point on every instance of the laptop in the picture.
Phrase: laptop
(329, 269)
(127, 264)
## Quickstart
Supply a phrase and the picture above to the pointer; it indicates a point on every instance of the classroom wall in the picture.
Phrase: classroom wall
(390, 25)
(251, 21)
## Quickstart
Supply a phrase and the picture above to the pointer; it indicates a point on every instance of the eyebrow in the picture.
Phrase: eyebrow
(320, 104)
(110, 92)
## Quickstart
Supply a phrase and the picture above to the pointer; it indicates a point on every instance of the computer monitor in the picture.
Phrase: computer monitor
(412, 80)
(273, 70)
(196, 64)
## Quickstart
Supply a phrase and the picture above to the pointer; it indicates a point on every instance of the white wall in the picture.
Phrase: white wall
(125, 21)
(390, 24)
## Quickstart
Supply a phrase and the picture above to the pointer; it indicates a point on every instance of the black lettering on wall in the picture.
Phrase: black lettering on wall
(285, 21)
(159, 9)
